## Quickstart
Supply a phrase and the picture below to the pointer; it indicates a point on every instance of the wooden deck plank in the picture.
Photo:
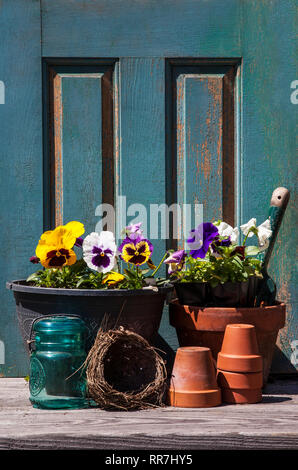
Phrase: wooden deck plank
(270, 424)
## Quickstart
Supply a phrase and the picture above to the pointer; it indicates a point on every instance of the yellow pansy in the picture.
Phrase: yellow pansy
(54, 248)
(136, 252)
(113, 278)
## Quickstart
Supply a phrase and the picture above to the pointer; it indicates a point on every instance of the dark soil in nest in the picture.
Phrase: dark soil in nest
(128, 368)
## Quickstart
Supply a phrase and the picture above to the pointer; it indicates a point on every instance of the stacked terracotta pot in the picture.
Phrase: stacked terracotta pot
(193, 381)
(239, 365)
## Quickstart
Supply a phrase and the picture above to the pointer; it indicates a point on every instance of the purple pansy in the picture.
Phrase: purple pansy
(34, 260)
(217, 242)
(133, 231)
(175, 261)
(79, 242)
(201, 238)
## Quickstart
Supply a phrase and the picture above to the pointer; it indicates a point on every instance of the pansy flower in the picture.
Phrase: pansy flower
(136, 251)
(150, 263)
(201, 238)
(54, 248)
(133, 231)
(79, 242)
(175, 261)
(226, 230)
(113, 278)
(239, 251)
(246, 228)
(264, 234)
(225, 242)
(99, 251)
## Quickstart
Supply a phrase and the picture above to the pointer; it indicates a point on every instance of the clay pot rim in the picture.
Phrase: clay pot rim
(195, 399)
(194, 392)
(239, 356)
(244, 326)
(239, 380)
(275, 306)
(233, 373)
(192, 349)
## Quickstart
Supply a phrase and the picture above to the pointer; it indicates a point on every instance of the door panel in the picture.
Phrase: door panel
(203, 145)
(80, 135)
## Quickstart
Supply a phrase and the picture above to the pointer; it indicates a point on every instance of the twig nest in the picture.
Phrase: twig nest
(124, 372)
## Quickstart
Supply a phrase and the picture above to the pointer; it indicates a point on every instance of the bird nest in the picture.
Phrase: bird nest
(124, 372)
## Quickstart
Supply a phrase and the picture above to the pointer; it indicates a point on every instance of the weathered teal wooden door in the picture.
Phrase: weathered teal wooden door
(157, 101)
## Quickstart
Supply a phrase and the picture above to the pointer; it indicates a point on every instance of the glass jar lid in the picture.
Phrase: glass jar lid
(60, 324)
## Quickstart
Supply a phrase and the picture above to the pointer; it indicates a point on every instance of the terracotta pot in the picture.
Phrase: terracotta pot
(198, 326)
(240, 381)
(240, 351)
(241, 396)
(193, 382)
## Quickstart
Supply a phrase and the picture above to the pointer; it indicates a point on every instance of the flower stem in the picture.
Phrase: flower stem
(246, 236)
(161, 261)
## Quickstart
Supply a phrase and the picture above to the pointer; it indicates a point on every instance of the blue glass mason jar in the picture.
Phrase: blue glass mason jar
(57, 380)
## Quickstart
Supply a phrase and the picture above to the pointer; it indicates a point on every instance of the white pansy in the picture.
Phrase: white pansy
(226, 230)
(246, 227)
(264, 234)
(99, 250)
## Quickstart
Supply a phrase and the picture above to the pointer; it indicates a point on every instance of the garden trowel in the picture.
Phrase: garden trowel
(267, 288)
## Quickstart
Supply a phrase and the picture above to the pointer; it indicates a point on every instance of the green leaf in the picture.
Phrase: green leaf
(251, 250)
(130, 274)
(33, 277)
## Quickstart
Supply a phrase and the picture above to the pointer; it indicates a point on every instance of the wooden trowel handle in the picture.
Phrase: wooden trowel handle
(279, 201)
(280, 198)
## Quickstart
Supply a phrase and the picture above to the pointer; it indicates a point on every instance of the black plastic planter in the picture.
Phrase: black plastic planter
(192, 293)
(228, 294)
(141, 310)
(234, 294)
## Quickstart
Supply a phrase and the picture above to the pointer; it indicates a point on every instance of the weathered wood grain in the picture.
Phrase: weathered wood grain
(272, 424)
(269, 144)
(20, 162)
(167, 28)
